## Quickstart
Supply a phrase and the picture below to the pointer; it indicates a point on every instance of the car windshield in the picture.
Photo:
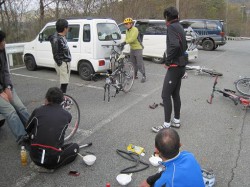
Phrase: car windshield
(108, 31)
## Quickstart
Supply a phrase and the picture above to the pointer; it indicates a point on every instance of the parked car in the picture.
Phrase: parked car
(154, 39)
(211, 32)
(85, 39)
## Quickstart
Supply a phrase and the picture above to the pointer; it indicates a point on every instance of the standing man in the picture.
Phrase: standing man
(175, 65)
(61, 53)
(180, 169)
(46, 126)
(135, 42)
(11, 107)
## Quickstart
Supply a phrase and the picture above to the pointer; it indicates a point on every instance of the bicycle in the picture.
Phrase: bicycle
(245, 101)
(243, 86)
(122, 76)
(69, 104)
(200, 70)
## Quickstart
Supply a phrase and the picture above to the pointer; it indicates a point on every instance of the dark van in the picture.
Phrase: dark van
(211, 32)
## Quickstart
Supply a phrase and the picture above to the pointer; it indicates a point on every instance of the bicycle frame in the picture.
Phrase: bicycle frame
(230, 94)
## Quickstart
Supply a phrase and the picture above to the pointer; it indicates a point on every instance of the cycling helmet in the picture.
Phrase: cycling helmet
(208, 178)
(128, 20)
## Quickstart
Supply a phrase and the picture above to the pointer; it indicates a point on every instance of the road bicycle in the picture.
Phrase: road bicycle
(243, 86)
(122, 72)
(237, 99)
(72, 107)
(202, 70)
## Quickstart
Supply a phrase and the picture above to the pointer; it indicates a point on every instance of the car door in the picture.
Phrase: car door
(154, 38)
(43, 55)
(73, 40)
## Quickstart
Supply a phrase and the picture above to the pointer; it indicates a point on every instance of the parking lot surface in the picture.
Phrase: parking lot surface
(217, 134)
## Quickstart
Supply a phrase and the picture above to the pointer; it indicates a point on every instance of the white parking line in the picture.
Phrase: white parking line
(113, 116)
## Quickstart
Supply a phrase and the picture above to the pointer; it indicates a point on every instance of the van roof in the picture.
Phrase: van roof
(202, 20)
(77, 20)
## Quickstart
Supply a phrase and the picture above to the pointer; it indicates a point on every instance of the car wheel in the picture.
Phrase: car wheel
(30, 63)
(157, 60)
(216, 46)
(85, 71)
(208, 45)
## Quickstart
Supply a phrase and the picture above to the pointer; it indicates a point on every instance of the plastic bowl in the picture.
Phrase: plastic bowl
(89, 159)
(154, 160)
(124, 179)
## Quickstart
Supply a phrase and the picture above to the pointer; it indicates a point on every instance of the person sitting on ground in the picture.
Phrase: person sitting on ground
(181, 168)
(11, 107)
(46, 127)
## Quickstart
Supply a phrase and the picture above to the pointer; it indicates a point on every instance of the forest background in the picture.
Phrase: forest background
(22, 20)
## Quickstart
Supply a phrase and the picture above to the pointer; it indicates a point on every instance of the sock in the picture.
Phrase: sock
(64, 88)
(165, 124)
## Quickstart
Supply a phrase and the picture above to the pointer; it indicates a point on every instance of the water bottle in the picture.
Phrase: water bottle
(23, 156)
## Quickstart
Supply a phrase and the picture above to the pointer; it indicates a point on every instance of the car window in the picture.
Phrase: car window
(122, 28)
(73, 33)
(86, 33)
(108, 32)
(197, 25)
(212, 25)
(156, 29)
(47, 32)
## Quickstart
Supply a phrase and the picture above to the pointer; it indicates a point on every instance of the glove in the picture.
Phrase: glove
(122, 44)
(59, 63)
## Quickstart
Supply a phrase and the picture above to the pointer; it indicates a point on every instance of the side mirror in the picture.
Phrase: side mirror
(40, 37)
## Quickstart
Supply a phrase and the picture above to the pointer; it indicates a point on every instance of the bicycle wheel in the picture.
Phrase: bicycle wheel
(127, 77)
(243, 86)
(70, 105)
(212, 72)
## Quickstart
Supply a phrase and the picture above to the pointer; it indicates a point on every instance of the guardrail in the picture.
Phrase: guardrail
(237, 38)
(12, 49)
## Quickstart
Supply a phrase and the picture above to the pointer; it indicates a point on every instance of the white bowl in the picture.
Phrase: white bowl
(124, 179)
(154, 160)
(89, 159)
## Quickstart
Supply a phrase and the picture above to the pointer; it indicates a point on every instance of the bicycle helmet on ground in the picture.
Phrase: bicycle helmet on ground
(128, 20)
(208, 178)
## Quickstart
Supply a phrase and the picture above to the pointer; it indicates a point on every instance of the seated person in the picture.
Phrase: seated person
(11, 107)
(46, 127)
(181, 168)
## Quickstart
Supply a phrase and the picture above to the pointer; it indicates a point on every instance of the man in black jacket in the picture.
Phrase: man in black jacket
(46, 127)
(175, 64)
(11, 107)
(61, 53)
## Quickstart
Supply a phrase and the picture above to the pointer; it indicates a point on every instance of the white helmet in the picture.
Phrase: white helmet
(208, 178)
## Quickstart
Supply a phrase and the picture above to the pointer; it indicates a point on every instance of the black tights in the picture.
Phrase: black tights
(171, 87)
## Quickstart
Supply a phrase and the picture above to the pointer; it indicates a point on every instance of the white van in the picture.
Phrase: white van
(85, 39)
(154, 39)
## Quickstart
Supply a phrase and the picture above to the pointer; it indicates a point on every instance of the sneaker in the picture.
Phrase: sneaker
(158, 128)
(175, 124)
(143, 79)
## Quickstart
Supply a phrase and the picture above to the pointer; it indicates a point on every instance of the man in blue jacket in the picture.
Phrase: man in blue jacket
(180, 169)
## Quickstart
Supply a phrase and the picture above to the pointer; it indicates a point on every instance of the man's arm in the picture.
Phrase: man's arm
(55, 50)
(31, 122)
(150, 181)
(174, 44)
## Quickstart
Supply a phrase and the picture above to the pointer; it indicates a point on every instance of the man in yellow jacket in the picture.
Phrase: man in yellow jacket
(136, 47)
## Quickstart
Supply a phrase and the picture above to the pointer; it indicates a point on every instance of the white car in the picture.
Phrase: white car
(86, 38)
(154, 39)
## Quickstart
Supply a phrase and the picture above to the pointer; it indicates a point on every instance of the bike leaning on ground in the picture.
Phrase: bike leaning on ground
(243, 86)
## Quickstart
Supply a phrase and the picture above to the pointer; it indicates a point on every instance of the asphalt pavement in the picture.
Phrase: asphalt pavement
(217, 134)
